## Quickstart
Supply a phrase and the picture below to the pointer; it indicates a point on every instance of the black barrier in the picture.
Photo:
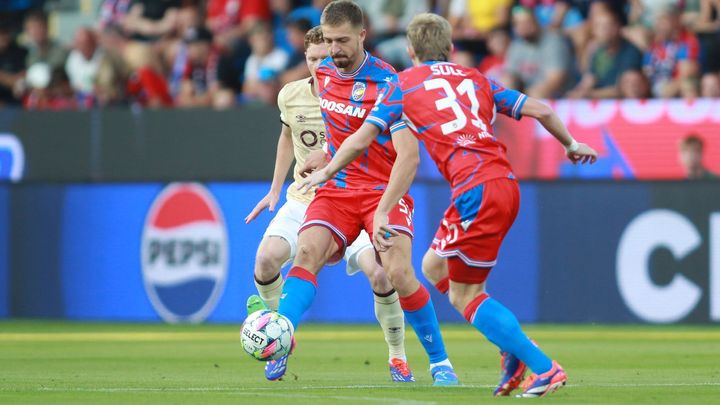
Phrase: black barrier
(143, 145)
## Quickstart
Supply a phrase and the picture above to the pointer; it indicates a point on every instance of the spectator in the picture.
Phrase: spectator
(112, 13)
(642, 17)
(150, 20)
(146, 86)
(199, 87)
(297, 67)
(471, 21)
(671, 63)
(538, 62)
(691, 158)
(58, 95)
(389, 20)
(41, 48)
(263, 66)
(83, 62)
(12, 66)
(230, 20)
(634, 84)
(613, 56)
(703, 17)
(493, 64)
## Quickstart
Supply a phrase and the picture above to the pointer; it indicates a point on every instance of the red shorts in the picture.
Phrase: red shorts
(474, 227)
(345, 212)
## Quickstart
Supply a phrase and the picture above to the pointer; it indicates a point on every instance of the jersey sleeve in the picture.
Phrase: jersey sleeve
(281, 106)
(507, 101)
(387, 111)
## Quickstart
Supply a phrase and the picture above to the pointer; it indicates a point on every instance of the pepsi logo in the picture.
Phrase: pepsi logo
(184, 253)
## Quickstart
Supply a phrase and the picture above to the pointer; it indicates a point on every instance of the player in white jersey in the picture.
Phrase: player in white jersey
(303, 131)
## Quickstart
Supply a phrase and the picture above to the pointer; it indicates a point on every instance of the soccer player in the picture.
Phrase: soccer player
(302, 132)
(359, 92)
(451, 109)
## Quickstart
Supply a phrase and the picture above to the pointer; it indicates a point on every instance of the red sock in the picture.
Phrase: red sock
(443, 285)
(473, 306)
(416, 300)
(302, 274)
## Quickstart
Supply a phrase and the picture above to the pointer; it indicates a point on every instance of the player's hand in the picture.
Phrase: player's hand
(317, 177)
(316, 159)
(269, 201)
(382, 233)
(583, 154)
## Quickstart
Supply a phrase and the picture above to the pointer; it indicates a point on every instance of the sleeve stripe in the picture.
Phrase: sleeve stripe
(284, 123)
(518, 106)
(377, 121)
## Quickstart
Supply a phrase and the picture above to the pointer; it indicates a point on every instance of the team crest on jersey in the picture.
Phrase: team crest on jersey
(358, 91)
(300, 118)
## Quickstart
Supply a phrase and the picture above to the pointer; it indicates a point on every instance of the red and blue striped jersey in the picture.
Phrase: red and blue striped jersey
(347, 100)
(451, 109)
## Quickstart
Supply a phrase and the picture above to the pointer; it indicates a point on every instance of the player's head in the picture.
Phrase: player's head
(315, 49)
(691, 154)
(343, 32)
(429, 38)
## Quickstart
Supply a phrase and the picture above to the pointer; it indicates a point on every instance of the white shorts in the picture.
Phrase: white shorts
(286, 225)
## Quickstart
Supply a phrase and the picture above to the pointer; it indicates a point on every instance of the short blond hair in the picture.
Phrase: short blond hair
(430, 35)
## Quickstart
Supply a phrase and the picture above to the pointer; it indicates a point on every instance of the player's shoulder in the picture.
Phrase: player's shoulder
(296, 85)
(379, 69)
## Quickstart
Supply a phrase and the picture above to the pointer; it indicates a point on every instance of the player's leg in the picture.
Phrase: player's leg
(434, 269)
(501, 327)
(276, 248)
(419, 311)
(387, 311)
(272, 253)
(315, 246)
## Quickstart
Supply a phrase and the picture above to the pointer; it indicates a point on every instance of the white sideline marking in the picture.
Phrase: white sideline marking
(263, 390)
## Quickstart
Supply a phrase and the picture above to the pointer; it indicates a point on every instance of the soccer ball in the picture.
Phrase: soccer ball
(266, 335)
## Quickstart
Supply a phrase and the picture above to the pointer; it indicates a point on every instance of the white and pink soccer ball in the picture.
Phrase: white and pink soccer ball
(266, 335)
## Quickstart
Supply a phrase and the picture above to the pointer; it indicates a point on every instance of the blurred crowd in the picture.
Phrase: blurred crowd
(223, 53)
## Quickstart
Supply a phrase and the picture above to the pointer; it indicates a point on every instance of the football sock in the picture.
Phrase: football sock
(500, 327)
(270, 291)
(392, 321)
(298, 294)
(443, 285)
(442, 363)
(420, 313)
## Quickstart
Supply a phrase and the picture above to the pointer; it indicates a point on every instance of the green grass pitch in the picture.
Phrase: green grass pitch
(92, 363)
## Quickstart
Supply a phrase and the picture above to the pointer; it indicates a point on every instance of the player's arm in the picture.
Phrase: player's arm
(516, 104)
(283, 159)
(576, 152)
(401, 177)
(350, 149)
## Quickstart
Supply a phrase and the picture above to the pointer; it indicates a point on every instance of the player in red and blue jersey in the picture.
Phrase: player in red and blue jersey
(451, 109)
(359, 94)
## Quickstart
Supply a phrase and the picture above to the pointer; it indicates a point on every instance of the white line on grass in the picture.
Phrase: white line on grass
(335, 387)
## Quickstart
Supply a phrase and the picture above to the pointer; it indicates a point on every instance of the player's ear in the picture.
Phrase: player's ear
(410, 51)
(363, 33)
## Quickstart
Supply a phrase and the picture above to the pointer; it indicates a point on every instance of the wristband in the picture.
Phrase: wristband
(574, 146)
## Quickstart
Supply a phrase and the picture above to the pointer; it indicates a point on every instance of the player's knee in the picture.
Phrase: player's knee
(267, 264)
(458, 300)
(379, 280)
(307, 255)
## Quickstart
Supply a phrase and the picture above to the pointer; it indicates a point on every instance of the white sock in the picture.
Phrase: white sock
(392, 321)
(445, 362)
(270, 292)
